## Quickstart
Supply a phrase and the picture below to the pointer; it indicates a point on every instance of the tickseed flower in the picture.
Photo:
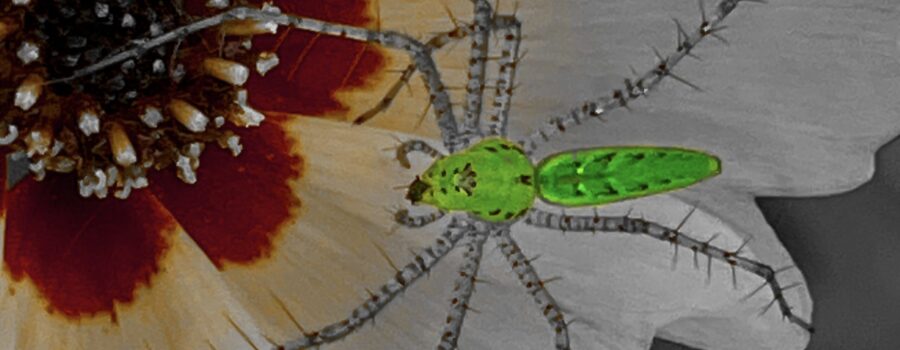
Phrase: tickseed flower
(291, 235)
(119, 228)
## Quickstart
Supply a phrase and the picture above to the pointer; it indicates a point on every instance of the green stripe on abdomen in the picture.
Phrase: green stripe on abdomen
(610, 174)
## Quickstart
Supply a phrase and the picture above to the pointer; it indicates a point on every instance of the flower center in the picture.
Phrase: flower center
(117, 121)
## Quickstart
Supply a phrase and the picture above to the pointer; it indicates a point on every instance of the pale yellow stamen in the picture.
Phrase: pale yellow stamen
(188, 115)
(121, 146)
(245, 116)
(248, 27)
(228, 71)
(38, 141)
(29, 92)
(89, 122)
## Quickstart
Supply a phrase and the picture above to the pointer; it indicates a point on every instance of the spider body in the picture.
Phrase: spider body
(495, 181)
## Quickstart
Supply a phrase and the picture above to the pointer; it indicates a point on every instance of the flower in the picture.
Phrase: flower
(88, 267)
(295, 241)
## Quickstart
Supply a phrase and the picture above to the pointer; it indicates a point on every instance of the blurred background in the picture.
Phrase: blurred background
(848, 247)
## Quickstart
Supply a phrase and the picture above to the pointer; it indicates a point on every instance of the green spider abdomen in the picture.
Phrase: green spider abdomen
(610, 174)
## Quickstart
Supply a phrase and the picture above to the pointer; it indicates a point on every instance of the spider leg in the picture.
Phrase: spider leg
(632, 225)
(463, 289)
(419, 52)
(643, 84)
(435, 43)
(404, 218)
(421, 264)
(481, 29)
(410, 146)
(534, 285)
(511, 34)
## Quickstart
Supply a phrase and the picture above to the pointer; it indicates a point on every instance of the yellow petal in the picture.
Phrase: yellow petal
(186, 306)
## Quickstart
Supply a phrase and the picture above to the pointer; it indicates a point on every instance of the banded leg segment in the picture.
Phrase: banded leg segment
(510, 30)
(596, 223)
(534, 285)
(421, 264)
(481, 29)
(410, 146)
(511, 34)
(463, 289)
(709, 26)
(404, 218)
(435, 43)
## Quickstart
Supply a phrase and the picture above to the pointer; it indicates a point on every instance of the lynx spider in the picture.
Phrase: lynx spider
(471, 233)
(467, 231)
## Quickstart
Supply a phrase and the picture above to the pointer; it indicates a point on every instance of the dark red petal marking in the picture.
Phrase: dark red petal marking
(306, 83)
(2, 181)
(238, 205)
(83, 255)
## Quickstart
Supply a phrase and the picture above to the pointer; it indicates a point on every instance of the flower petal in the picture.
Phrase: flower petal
(326, 254)
(624, 289)
(82, 255)
(238, 205)
(186, 306)
(795, 105)
(111, 274)
(3, 183)
(313, 67)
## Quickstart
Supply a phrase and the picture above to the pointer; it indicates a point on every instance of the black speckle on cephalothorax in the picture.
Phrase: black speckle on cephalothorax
(525, 179)
(494, 212)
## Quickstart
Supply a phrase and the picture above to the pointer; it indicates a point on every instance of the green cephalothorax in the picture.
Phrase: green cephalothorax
(492, 180)
(609, 174)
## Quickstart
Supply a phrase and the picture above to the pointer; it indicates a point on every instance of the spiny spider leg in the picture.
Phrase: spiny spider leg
(511, 33)
(422, 263)
(419, 53)
(481, 30)
(596, 223)
(407, 147)
(435, 43)
(403, 218)
(510, 26)
(643, 84)
(534, 285)
(463, 289)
